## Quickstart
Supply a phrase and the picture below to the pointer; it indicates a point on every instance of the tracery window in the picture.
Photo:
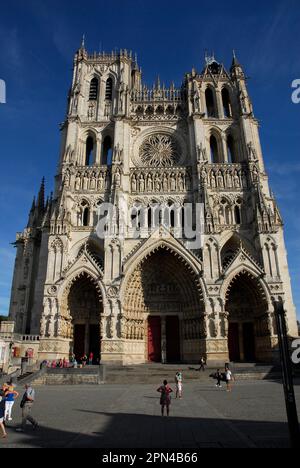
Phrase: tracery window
(89, 151)
(210, 103)
(108, 89)
(107, 151)
(226, 103)
(94, 86)
(159, 150)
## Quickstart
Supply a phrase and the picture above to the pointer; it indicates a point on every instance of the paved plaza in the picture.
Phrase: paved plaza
(108, 416)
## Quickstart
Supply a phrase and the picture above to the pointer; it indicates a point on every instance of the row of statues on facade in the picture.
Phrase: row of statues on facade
(225, 178)
(157, 182)
(99, 180)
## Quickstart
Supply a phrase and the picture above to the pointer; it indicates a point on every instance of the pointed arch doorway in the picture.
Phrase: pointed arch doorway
(163, 295)
(85, 308)
(247, 306)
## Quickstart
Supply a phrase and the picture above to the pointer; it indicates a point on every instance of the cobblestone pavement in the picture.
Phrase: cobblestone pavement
(108, 416)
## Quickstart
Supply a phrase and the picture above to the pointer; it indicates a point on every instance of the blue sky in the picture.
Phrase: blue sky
(37, 43)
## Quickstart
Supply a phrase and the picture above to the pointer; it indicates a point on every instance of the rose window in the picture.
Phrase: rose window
(159, 151)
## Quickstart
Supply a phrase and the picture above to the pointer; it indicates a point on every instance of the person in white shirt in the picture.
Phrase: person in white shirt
(178, 381)
(229, 378)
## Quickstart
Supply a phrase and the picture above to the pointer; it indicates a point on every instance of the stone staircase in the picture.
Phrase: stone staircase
(156, 373)
(150, 373)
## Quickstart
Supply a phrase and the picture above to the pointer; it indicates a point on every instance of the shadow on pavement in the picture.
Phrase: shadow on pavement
(128, 430)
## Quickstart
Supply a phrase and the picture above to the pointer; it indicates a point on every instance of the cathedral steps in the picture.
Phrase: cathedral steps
(153, 374)
(156, 373)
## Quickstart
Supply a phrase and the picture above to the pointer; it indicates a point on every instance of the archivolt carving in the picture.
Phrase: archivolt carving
(162, 283)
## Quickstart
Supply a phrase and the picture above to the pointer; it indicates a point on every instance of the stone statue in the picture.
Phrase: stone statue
(133, 184)
(173, 183)
(77, 182)
(93, 182)
(237, 182)
(165, 183)
(150, 183)
(85, 181)
(101, 182)
(142, 184)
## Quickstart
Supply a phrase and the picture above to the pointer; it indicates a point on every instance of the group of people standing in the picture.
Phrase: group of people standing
(8, 396)
(73, 362)
(226, 376)
(165, 390)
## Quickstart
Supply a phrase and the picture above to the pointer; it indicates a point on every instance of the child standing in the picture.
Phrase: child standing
(178, 381)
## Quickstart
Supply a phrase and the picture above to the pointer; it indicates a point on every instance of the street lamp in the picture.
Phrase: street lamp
(287, 374)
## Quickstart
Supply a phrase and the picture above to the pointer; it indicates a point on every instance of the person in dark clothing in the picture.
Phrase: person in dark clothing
(218, 378)
(165, 397)
(2, 413)
(202, 364)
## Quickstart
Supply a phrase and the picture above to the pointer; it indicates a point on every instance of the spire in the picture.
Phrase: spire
(83, 42)
(33, 205)
(235, 62)
(41, 196)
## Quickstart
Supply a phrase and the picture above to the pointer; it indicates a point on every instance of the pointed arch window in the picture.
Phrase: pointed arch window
(136, 217)
(237, 215)
(107, 151)
(85, 213)
(150, 217)
(89, 151)
(231, 150)
(210, 103)
(214, 150)
(108, 89)
(94, 87)
(226, 103)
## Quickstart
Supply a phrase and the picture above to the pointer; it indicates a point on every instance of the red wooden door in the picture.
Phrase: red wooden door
(172, 338)
(154, 339)
(233, 342)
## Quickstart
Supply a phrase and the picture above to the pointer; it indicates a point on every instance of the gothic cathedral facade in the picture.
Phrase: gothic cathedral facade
(154, 296)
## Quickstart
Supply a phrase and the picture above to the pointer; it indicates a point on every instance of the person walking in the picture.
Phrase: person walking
(10, 397)
(202, 364)
(229, 378)
(218, 377)
(2, 414)
(165, 397)
(178, 381)
(26, 405)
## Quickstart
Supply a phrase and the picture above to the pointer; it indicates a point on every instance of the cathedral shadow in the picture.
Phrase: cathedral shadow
(129, 430)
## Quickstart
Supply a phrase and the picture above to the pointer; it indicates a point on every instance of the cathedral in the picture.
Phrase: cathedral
(155, 166)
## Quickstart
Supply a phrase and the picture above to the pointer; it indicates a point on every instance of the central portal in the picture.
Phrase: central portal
(162, 310)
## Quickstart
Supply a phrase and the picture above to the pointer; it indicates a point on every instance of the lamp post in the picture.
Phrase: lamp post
(287, 375)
